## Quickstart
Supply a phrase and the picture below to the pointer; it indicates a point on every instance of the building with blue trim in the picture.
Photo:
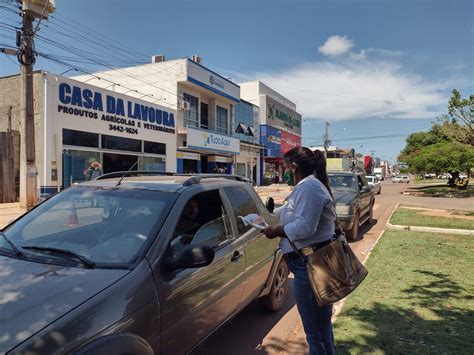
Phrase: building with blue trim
(205, 103)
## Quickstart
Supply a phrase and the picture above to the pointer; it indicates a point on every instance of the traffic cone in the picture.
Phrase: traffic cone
(72, 220)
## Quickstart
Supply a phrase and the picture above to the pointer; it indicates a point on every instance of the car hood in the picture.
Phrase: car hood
(344, 197)
(33, 295)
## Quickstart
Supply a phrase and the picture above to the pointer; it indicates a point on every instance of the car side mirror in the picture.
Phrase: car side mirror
(366, 189)
(270, 204)
(191, 256)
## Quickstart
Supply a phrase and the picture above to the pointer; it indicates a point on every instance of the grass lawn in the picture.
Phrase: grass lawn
(421, 181)
(417, 299)
(446, 191)
(409, 217)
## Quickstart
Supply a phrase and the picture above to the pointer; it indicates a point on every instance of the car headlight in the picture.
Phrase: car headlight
(344, 209)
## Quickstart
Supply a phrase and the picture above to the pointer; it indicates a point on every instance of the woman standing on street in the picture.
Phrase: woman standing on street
(308, 220)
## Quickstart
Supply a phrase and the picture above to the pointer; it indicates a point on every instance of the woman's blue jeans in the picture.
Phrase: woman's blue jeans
(316, 320)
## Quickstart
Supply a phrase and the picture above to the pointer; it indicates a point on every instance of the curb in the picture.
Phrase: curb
(430, 229)
(338, 305)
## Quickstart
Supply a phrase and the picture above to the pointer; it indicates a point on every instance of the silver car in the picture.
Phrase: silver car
(137, 265)
(375, 183)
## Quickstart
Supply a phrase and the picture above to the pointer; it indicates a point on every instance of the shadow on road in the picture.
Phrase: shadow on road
(363, 229)
(244, 333)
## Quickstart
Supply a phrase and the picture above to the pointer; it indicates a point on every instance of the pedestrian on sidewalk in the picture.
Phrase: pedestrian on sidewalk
(308, 220)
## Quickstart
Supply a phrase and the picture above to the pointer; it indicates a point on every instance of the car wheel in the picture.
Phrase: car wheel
(353, 233)
(277, 296)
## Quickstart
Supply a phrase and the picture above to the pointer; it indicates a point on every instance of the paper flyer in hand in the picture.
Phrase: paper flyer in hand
(255, 221)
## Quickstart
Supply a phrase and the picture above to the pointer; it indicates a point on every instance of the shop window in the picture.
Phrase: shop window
(221, 120)
(79, 166)
(80, 139)
(204, 116)
(152, 164)
(154, 148)
(191, 115)
(121, 143)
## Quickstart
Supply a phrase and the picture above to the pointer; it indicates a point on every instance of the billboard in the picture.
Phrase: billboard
(270, 137)
(289, 141)
(278, 115)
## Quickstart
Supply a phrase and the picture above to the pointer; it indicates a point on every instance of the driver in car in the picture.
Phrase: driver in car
(187, 224)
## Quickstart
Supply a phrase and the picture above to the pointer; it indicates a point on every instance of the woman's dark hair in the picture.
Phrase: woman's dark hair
(309, 163)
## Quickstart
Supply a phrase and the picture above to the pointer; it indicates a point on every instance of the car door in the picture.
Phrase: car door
(365, 198)
(259, 250)
(195, 301)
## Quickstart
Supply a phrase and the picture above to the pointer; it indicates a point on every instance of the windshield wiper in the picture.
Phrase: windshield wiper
(66, 253)
(13, 246)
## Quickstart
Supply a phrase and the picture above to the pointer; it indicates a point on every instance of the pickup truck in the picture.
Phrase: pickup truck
(354, 200)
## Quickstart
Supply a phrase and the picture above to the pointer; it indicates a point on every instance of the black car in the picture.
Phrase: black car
(137, 265)
(354, 200)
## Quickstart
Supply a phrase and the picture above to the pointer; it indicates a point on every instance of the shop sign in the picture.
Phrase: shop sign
(289, 141)
(117, 112)
(281, 116)
(188, 156)
(209, 80)
(270, 137)
(201, 139)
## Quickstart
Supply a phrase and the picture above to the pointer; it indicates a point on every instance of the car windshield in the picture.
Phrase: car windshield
(343, 182)
(108, 226)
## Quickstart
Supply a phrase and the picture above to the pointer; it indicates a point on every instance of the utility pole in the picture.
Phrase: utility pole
(28, 186)
(327, 142)
(31, 9)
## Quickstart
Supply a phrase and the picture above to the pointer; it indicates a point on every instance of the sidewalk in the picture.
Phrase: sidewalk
(278, 191)
(9, 212)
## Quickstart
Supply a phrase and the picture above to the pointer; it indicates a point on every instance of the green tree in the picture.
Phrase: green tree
(458, 124)
(442, 157)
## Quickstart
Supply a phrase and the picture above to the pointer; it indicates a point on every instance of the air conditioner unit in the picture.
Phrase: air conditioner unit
(197, 59)
(184, 106)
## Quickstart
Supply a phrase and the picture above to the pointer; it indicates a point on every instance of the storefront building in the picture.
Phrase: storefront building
(83, 131)
(280, 127)
(246, 128)
(205, 103)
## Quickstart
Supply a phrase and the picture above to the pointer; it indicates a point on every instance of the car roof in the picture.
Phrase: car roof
(330, 172)
(165, 182)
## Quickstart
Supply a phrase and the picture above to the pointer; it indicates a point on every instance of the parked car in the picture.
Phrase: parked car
(354, 200)
(375, 182)
(401, 179)
(143, 264)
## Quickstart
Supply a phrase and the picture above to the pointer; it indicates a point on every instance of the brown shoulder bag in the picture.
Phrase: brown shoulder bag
(333, 270)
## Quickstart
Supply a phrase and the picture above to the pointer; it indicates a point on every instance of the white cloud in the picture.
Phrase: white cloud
(336, 45)
(372, 83)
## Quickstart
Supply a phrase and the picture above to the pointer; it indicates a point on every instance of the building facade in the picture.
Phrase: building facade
(82, 131)
(246, 127)
(205, 103)
(280, 126)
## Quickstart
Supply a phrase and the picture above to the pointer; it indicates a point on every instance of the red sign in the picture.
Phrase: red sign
(289, 141)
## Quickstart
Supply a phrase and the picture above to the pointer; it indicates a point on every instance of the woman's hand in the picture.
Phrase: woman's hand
(274, 231)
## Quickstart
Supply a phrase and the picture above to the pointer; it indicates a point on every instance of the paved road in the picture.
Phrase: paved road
(256, 331)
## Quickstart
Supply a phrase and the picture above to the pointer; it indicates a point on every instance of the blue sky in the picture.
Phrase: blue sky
(371, 68)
